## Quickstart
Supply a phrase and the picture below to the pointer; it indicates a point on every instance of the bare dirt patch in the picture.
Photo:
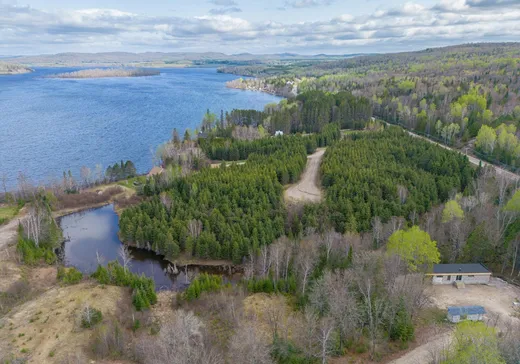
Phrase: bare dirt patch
(9, 231)
(307, 189)
(497, 298)
(47, 328)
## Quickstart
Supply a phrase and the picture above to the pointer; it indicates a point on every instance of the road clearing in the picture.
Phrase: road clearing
(307, 189)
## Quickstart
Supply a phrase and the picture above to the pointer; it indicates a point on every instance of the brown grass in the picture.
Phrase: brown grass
(87, 198)
(49, 323)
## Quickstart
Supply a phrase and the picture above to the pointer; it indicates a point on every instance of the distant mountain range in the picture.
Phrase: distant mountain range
(159, 59)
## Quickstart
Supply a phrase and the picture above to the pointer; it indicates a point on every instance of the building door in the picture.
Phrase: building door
(459, 278)
(449, 278)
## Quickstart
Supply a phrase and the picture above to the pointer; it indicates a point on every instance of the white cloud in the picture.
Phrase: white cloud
(25, 29)
(308, 3)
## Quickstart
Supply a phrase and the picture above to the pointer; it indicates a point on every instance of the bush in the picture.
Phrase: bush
(266, 285)
(203, 283)
(16, 293)
(69, 275)
(108, 341)
(143, 287)
(90, 317)
(402, 329)
(32, 254)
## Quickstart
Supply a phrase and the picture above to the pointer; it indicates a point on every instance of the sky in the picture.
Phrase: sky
(29, 27)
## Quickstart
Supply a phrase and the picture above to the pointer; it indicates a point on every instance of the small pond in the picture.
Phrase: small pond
(96, 231)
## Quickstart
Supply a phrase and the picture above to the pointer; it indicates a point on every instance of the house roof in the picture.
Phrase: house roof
(466, 310)
(459, 268)
(155, 171)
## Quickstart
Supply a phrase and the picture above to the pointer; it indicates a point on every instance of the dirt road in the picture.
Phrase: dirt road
(307, 189)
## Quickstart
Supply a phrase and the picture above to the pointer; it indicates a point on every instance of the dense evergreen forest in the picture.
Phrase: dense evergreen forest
(447, 93)
(310, 112)
(222, 212)
(388, 174)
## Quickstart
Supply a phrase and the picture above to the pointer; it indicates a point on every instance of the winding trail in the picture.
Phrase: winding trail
(307, 189)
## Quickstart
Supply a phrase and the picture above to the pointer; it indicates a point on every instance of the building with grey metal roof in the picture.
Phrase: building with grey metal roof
(472, 273)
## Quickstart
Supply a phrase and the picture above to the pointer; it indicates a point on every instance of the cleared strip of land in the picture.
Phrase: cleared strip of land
(307, 189)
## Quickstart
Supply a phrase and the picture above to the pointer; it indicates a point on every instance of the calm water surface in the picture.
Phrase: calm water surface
(51, 125)
(96, 230)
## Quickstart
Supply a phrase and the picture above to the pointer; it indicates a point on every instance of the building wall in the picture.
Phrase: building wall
(457, 318)
(467, 279)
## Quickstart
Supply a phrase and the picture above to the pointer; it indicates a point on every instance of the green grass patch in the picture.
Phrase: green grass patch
(133, 182)
(7, 213)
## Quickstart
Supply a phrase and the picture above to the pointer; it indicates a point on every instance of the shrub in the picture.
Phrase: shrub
(69, 275)
(402, 329)
(90, 317)
(143, 287)
(203, 283)
(31, 254)
(108, 341)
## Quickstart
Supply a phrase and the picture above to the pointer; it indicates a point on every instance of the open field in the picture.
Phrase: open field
(307, 189)
(46, 329)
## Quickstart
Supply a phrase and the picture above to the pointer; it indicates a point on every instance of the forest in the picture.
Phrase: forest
(447, 94)
(343, 278)
(221, 213)
(388, 174)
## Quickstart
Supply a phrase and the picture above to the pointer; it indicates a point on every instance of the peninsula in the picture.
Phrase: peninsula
(13, 69)
(111, 72)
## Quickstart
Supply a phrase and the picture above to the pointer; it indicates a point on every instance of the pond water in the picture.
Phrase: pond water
(95, 232)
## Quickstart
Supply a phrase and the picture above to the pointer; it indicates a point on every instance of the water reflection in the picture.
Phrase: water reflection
(94, 232)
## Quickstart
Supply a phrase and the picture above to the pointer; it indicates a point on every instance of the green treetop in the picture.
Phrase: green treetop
(414, 246)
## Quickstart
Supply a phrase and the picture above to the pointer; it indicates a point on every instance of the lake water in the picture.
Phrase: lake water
(95, 231)
(51, 125)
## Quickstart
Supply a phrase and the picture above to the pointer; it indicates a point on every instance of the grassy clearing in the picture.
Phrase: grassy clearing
(129, 183)
(7, 212)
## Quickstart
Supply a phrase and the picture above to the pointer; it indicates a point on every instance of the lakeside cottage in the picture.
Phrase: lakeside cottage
(473, 273)
(461, 313)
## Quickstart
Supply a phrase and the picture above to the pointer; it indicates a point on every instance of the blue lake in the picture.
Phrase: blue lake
(51, 125)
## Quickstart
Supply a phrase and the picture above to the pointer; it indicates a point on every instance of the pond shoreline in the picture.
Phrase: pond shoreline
(93, 232)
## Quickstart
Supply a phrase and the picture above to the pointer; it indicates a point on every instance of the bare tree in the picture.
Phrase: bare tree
(100, 175)
(34, 223)
(24, 186)
(329, 240)
(325, 333)
(276, 253)
(180, 341)
(248, 347)
(85, 174)
(100, 259)
(377, 231)
(402, 191)
(264, 261)
(366, 269)
(3, 179)
(126, 256)
(195, 228)
(306, 259)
